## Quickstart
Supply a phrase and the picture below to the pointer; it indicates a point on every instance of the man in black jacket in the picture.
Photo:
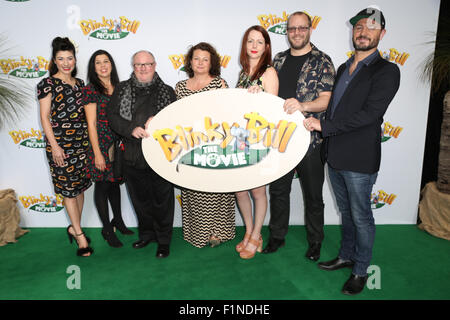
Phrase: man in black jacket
(365, 86)
(132, 106)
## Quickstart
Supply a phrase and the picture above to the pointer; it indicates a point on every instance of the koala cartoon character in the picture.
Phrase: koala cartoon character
(117, 26)
(241, 142)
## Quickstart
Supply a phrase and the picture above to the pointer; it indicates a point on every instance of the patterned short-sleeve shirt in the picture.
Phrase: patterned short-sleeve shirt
(316, 76)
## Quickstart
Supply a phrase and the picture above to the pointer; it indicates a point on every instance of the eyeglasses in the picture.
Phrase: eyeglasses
(145, 65)
(299, 28)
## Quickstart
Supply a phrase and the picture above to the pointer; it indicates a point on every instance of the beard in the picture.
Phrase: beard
(373, 43)
(301, 45)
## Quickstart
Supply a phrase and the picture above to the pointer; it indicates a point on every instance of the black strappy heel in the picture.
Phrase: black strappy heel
(81, 251)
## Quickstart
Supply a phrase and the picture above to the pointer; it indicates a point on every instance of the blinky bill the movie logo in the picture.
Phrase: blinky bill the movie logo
(390, 131)
(178, 60)
(109, 29)
(381, 198)
(29, 140)
(393, 55)
(25, 67)
(278, 25)
(225, 155)
(43, 204)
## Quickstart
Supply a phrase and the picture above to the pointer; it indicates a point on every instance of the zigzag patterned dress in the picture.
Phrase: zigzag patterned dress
(205, 214)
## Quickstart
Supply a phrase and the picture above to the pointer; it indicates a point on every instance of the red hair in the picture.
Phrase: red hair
(266, 58)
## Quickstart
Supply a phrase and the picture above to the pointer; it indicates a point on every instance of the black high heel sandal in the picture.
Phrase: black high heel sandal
(121, 227)
(71, 236)
(81, 251)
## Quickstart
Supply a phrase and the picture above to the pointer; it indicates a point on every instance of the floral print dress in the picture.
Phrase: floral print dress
(106, 136)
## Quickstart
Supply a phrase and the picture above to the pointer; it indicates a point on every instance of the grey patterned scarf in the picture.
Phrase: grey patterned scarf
(127, 94)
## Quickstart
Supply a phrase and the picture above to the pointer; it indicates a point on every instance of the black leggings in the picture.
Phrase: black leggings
(104, 191)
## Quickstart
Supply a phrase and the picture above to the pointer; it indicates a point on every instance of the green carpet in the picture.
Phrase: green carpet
(412, 265)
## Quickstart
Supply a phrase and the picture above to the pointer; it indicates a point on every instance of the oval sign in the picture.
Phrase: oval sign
(225, 140)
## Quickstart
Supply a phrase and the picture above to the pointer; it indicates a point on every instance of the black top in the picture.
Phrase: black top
(146, 105)
(289, 74)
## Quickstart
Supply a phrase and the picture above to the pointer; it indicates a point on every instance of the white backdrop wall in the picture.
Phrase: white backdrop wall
(168, 28)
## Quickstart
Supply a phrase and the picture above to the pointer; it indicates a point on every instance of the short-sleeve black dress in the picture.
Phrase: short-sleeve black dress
(69, 125)
(106, 136)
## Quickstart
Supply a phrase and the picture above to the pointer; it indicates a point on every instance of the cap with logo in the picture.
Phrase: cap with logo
(371, 13)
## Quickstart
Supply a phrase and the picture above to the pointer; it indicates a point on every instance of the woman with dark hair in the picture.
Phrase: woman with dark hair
(257, 75)
(206, 217)
(102, 77)
(65, 127)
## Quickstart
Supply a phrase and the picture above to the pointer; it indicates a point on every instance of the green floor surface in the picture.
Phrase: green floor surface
(409, 264)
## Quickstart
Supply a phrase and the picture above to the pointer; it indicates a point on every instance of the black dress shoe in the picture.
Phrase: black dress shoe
(163, 251)
(354, 285)
(313, 252)
(273, 245)
(141, 243)
(335, 264)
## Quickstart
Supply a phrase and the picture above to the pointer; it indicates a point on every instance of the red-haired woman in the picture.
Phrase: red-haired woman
(257, 75)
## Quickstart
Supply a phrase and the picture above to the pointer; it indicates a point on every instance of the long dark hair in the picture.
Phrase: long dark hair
(61, 44)
(264, 61)
(92, 76)
(214, 71)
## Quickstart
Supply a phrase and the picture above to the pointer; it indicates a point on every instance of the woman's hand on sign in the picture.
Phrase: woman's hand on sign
(254, 89)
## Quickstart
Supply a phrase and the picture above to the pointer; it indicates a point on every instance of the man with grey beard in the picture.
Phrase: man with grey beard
(306, 77)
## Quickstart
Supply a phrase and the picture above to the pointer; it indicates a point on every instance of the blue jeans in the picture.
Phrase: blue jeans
(353, 191)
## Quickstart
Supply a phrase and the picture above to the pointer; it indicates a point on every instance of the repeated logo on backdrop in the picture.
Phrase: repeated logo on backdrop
(393, 55)
(26, 68)
(390, 131)
(42, 204)
(381, 198)
(109, 29)
(273, 23)
(32, 139)
(178, 61)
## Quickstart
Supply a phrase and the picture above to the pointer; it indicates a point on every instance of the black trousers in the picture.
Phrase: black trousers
(311, 175)
(153, 201)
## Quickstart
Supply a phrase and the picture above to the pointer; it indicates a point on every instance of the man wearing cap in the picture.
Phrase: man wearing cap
(365, 85)
(306, 77)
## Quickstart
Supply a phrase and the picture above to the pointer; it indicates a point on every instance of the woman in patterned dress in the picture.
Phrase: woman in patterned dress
(103, 78)
(64, 124)
(207, 218)
(257, 75)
